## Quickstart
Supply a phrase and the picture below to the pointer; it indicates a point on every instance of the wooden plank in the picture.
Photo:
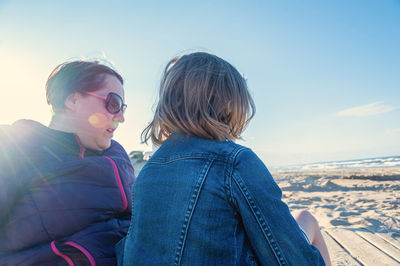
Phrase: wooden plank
(360, 249)
(389, 238)
(339, 256)
(382, 244)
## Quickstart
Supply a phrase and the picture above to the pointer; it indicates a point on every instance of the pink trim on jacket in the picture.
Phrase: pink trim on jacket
(58, 253)
(120, 186)
(83, 250)
(81, 148)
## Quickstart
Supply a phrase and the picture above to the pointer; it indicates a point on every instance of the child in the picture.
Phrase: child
(202, 199)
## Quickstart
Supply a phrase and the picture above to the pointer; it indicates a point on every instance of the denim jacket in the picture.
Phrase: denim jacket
(209, 202)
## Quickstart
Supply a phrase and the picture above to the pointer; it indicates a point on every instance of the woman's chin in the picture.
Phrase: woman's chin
(106, 144)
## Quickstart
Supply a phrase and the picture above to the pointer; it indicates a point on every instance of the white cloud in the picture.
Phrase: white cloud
(375, 108)
(392, 132)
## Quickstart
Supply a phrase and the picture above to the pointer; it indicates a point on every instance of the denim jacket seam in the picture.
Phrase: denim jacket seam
(206, 157)
(261, 221)
(190, 209)
(228, 177)
(176, 159)
(228, 185)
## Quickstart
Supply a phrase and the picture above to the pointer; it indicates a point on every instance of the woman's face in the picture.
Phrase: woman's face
(94, 124)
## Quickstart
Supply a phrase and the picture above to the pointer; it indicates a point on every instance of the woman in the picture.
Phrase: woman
(65, 189)
(202, 199)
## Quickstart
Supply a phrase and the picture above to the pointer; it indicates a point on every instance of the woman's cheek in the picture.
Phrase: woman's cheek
(98, 120)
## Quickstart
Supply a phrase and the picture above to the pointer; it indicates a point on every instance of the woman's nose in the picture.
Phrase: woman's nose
(119, 116)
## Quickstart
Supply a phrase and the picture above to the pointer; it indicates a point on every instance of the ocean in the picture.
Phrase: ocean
(389, 161)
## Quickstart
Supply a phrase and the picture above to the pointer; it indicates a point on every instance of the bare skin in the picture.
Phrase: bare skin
(310, 226)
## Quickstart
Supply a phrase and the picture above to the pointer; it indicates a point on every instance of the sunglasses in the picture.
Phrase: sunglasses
(113, 101)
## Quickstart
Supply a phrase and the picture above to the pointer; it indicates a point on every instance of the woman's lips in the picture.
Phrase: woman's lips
(110, 132)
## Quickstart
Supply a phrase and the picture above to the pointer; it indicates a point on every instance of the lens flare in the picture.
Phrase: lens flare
(98, 120)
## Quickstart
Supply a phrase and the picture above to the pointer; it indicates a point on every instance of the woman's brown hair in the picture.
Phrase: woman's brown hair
(200, 95)
(76, 76)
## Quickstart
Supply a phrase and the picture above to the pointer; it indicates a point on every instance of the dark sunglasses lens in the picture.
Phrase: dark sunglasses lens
(114, 103)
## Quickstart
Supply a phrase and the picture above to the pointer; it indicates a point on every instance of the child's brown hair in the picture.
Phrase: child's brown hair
(201, 95)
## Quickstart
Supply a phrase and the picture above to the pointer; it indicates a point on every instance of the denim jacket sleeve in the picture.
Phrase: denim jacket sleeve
(272, 231)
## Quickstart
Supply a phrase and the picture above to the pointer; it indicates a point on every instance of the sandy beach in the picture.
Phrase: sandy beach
(352, 198)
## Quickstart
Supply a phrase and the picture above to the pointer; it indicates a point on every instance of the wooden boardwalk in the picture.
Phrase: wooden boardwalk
(362, 247)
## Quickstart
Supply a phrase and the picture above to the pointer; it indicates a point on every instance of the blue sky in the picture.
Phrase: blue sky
(325, 76)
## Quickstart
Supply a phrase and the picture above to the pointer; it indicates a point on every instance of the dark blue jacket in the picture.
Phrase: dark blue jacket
(59, 203)
(204, 202)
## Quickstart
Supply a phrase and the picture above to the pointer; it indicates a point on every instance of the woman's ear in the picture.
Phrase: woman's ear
(71, 102)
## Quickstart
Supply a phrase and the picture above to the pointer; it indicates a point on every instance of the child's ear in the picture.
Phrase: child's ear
(71, 102)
